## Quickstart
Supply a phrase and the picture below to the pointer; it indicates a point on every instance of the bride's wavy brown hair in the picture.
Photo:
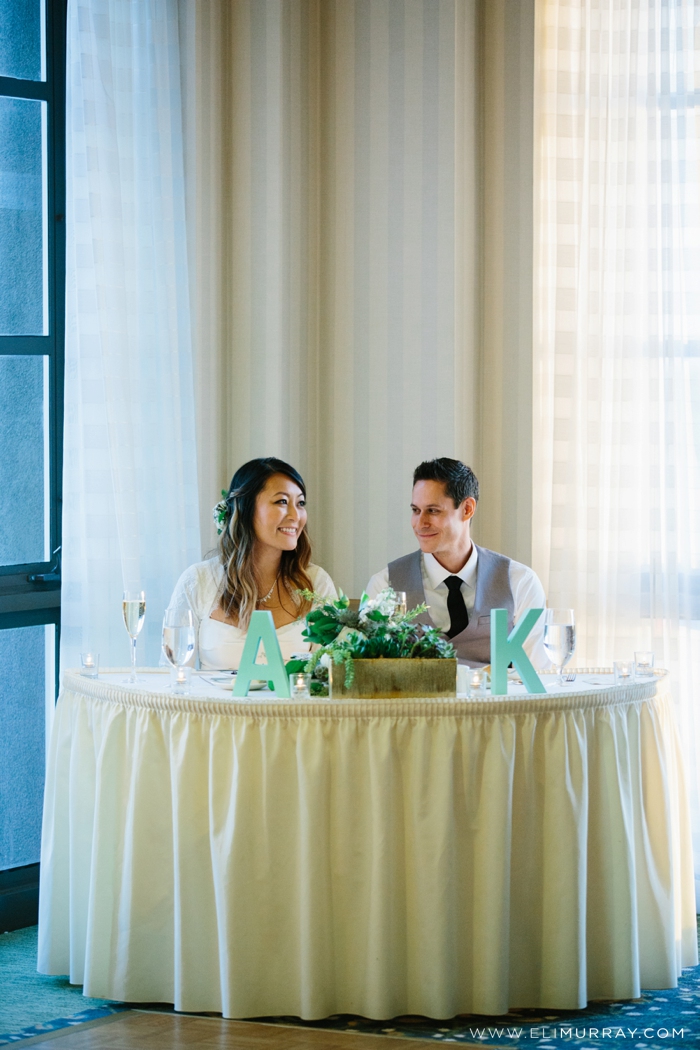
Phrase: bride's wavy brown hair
(241, 593)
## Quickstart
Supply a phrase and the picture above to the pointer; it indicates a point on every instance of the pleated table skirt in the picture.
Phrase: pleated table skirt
(374, 858)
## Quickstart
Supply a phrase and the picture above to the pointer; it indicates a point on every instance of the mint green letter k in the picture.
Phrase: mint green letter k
(507, 649)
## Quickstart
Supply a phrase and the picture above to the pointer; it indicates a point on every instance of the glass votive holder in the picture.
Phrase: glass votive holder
(463, 673)
(300, 685)
(89, 665)
(643, 664)
(623, 671)
(477, 682)
(180, 679)
(400, 607)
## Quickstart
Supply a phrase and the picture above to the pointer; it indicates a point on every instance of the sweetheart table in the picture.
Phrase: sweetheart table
(262, 857)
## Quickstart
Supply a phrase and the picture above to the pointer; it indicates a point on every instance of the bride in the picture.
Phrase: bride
(263, 560)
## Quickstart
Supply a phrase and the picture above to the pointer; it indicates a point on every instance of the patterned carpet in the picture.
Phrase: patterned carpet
(31, 1004)
(656, 1021)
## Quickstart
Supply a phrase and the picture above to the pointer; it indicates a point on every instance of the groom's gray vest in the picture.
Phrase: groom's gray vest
(473, 644)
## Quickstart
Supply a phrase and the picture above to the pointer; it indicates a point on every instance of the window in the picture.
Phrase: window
(32, 286)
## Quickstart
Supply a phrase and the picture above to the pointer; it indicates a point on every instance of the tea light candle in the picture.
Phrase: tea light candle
(90, 664)
(300, 685)
(644, 664)
(477, 683)
(180, 679)
(623, 671)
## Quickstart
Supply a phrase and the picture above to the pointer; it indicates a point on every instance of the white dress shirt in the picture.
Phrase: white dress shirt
(528, 593)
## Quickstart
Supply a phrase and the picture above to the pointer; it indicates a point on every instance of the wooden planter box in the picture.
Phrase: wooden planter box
(387, 679)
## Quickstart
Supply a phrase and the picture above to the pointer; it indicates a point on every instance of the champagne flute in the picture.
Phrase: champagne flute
(178, 645)
(559, 637)
(134, 612)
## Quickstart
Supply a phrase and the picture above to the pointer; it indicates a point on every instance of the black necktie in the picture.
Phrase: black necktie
(459, 617)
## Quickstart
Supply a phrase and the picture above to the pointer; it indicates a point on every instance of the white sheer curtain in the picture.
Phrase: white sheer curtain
(130, 512)
(616, 521)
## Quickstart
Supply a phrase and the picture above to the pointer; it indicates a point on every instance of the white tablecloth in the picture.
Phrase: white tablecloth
(378, 858)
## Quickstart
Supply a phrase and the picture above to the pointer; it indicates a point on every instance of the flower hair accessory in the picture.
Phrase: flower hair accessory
(220, 512)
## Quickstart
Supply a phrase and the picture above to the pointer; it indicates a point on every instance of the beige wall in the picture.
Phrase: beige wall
(340, 189)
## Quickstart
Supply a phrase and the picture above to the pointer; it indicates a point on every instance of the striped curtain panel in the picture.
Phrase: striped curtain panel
(332, 149)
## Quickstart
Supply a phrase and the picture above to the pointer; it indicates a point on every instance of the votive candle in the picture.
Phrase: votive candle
(300, 685)
(90, 664)
(477, 682)
(623, 671)
(643, 664)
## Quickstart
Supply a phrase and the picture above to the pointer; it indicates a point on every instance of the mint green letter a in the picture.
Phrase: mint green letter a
(261, 629)
(507, 649)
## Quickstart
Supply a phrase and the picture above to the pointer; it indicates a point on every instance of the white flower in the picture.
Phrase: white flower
(385, 603)
(219, 515)
(349, 632)
(325, 661)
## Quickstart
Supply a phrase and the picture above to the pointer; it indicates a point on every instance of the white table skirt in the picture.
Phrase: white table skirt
(377, 858)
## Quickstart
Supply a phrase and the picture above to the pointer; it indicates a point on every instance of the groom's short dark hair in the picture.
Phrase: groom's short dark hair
(459, 480)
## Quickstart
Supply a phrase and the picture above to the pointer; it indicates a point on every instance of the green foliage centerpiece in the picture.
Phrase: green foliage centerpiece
(376, 651)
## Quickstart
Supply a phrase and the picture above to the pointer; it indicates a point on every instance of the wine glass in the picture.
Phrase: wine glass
(134, 611)
(559, 637)
(178, 644)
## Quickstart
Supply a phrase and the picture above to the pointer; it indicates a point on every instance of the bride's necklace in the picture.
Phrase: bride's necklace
(261, 601)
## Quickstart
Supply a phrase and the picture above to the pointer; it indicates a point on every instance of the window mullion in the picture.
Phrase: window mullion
(33, 89)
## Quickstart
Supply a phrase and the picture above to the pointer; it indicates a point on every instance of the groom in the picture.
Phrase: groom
(460, 582)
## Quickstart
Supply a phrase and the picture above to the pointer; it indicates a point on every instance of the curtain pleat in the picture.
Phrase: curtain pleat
(130, 510)
(616, 509)
(342, 314)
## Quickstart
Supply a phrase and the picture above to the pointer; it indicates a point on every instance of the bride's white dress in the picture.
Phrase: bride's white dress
(220, 645)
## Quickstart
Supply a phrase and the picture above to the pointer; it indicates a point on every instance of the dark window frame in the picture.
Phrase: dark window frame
(17, 592)
(25, 599)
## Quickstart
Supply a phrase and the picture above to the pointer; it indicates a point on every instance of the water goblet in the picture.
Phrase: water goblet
(559, 638)
(134, 612)
(178, 646)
